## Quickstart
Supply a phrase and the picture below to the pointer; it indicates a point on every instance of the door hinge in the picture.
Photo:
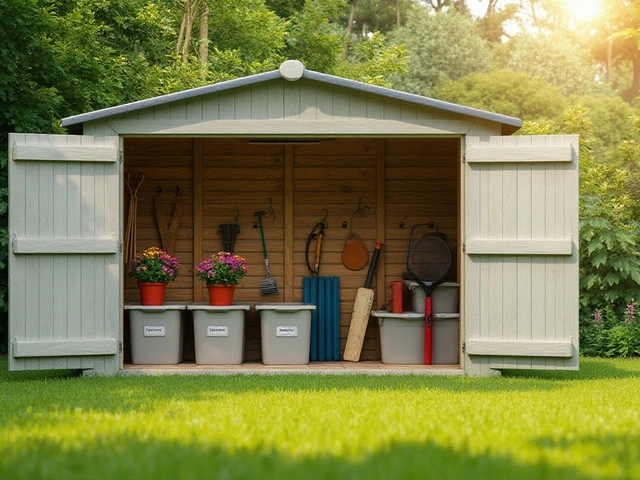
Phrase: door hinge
(119, 247)
(464, 347)
(119, 347)
(464, 247)
(464, 156)
(119, 156)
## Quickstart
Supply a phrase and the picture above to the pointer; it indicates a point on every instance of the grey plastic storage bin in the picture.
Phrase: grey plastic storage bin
(446, 297)
(402, 338)
(286, 332)
(156, 334)
(446, 339)
(218, 333)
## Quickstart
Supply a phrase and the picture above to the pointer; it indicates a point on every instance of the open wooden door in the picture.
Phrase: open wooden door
(64, 260)
(520, 253)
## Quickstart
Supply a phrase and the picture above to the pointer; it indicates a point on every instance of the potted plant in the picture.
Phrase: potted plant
(153, 268)
(221, 272)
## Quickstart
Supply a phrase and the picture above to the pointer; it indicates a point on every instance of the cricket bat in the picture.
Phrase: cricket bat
(361, 311)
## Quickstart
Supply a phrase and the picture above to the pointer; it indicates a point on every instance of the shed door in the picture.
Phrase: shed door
(521, 253)
(64, 264)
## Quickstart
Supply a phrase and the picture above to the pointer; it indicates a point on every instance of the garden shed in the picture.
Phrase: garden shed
(301, 146)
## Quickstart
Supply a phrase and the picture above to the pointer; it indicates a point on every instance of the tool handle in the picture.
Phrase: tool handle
(316, 268)
(264, 245)
(372, 267)
(428, 330)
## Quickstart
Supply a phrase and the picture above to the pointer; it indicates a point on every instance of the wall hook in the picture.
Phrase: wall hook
(237, 212)
(324, 219)
(360, 211)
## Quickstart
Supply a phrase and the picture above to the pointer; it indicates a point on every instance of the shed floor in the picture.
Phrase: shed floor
(324, 368)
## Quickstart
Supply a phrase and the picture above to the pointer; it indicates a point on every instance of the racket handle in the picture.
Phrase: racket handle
(428, 330)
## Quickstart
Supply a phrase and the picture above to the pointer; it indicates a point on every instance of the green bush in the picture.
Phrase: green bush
(608, 335)
(4, 252)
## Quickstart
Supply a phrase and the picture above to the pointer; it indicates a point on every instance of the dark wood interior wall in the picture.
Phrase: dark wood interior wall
(336, 178)
(167, 165)
(239, 176)
(332, 178)
(421, 187)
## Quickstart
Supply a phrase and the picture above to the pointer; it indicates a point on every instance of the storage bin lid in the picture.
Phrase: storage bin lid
(155, 308)
(285, 306)
(405, 315)
(437, 316)
(218, 308)
(412, 284)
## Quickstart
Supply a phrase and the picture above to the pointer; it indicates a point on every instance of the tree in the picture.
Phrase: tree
(516, 94)
(556, 58)
(444, 5)
(246, 27)
(622, 23)
(371, 61)
(494, 19)
(613, 126)
(444, 46)
(312, 38)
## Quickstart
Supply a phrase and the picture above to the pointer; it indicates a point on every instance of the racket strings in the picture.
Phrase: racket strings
(430, 259)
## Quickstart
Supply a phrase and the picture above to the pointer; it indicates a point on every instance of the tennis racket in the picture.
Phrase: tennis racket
(429, 262)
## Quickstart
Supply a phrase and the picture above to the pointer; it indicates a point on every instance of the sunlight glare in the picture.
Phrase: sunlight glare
(582, 10)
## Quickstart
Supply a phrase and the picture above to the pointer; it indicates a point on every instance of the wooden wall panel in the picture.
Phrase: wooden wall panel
(167, 166)
(421, 187)
(336, 178)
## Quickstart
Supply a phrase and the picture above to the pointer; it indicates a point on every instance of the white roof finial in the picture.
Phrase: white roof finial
(292, 70)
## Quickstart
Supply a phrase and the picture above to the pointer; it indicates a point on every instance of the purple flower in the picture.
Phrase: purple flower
(597, 317)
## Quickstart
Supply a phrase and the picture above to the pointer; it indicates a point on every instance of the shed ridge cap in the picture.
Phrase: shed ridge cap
(294, 70)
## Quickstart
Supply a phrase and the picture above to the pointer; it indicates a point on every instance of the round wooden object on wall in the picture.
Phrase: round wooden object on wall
(355, 255)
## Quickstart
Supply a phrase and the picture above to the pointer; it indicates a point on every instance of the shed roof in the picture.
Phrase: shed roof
(293, 70)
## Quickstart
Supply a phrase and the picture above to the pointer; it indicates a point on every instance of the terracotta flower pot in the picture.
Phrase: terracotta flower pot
(221, 295)
(151, 293)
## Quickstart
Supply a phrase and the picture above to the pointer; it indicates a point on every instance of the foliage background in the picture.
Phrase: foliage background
(525, 58)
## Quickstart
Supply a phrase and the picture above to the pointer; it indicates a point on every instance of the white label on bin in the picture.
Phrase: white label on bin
(154, 331)
(217, 331)
(291, 331)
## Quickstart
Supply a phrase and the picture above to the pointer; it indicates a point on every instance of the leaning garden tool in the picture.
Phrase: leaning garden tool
(130, 247)
(269, 286)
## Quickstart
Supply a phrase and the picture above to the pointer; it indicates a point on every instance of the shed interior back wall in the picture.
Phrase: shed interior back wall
(221, 179)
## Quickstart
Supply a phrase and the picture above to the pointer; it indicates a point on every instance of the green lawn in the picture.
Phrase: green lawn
(544, 425)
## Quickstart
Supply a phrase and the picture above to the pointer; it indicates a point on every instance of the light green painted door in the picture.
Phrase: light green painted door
(64, 260)
(520, 268)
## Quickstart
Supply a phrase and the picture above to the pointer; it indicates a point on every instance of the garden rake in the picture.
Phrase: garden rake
(268, 286)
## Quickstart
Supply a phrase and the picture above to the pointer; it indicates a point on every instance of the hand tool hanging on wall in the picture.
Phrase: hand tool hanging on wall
(316, 234)
(269, 286)
(229, 232)
(361, 311)
(168, 223)
(324, 293)
(130, 247)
